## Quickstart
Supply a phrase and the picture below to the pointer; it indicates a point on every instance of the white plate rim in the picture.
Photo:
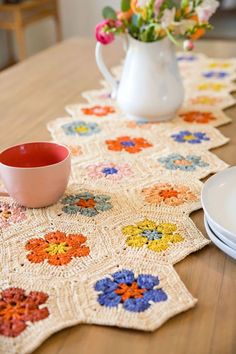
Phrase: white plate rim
(205, 186)
(221, 237)
(221, 245)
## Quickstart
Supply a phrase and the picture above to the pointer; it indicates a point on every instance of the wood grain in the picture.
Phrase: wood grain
(36, 91)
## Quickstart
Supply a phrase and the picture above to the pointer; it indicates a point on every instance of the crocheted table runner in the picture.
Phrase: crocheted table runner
(104, 254)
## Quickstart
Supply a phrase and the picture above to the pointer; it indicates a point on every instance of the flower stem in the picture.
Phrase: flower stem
(172, 38)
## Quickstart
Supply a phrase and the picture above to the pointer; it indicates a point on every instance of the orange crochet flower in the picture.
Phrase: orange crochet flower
(57, 248)
(166, 193)
(18, 310)
(198, 117)
(131, 145)
(99, 111)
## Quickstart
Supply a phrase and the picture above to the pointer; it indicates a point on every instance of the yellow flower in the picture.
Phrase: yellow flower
(137, 9)
(223, 65)
(205, 100)
(81, 129)
(157, 237)
(211, 86)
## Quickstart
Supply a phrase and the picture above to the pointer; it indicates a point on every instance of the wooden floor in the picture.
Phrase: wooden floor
(36, 91)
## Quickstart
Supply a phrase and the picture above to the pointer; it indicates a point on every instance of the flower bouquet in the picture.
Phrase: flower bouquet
(154, 20)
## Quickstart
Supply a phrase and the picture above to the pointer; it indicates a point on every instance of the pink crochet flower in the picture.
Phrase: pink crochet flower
(109, 171)
(11, 214)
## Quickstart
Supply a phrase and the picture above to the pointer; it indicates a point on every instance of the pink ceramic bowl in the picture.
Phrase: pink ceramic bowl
(35, 174)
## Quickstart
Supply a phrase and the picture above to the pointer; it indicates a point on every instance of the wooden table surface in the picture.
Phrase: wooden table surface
(36, 91)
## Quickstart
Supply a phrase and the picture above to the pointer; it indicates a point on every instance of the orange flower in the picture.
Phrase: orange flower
(99, 111)
(57, 248)
(198, 117)
(169, 194)
(129, 291)
(137, 9)
(121, 16)
(197, 34)
(131, 145)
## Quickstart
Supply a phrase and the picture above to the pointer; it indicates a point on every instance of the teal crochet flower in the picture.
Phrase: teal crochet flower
(81, 128)
(86, 204)
(184, 163)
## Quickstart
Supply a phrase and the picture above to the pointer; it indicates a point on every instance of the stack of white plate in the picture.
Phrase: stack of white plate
(219, 204)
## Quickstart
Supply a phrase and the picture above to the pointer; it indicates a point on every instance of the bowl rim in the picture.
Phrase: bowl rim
(39, 167)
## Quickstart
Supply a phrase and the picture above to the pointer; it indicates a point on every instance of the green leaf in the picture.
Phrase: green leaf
(137, 20)
(109, 13)
(125, 5)
(184, 4)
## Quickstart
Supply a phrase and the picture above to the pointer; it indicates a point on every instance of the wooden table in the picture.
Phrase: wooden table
(16, 17)
(36, 91)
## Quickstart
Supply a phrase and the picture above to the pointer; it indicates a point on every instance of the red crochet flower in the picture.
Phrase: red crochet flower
(56, 247)
(17, 309)
(131, 145)
(99, 111)
(198, 117)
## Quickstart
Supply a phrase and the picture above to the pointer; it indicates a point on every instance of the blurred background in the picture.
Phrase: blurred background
(38, 24)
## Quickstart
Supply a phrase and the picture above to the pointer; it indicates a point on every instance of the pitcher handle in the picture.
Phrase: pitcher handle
(103, 68)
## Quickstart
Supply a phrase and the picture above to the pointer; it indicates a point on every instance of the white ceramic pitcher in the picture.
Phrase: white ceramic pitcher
(150, 87)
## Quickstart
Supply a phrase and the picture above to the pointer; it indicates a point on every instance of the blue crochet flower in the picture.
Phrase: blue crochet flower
(183, 163)
(190, 138)
(215, 74)
(134, 294)
(86, 204)
(187, 58)
(81, 128)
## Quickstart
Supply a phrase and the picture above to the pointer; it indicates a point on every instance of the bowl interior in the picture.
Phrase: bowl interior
(219, 199)
(31, 155)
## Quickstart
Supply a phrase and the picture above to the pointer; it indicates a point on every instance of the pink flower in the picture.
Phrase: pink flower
(188, 45)
(109, 171)
(11, 214)
(102, 36)
(157, 6)
(101, 31)
(206, 9)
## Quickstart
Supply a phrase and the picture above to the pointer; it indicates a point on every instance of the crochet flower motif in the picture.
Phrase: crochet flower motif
(109, 171)
(187, 163)
(133, 294)
(75, 150)
(215, 74)
(57, 248)
(169, 194)
(198, 117)
(99, 111)
(86, 204)
(81, 128)
(11, 214)
(187, 58)
(206, 100)
(217, 87)
(215, 65)
(190, 138)
(131, 145)
(157, 237)
(17, 310)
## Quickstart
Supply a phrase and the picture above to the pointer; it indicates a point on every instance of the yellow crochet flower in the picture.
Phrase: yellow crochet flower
(216, 65)
(157, 237)
(217, 87)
